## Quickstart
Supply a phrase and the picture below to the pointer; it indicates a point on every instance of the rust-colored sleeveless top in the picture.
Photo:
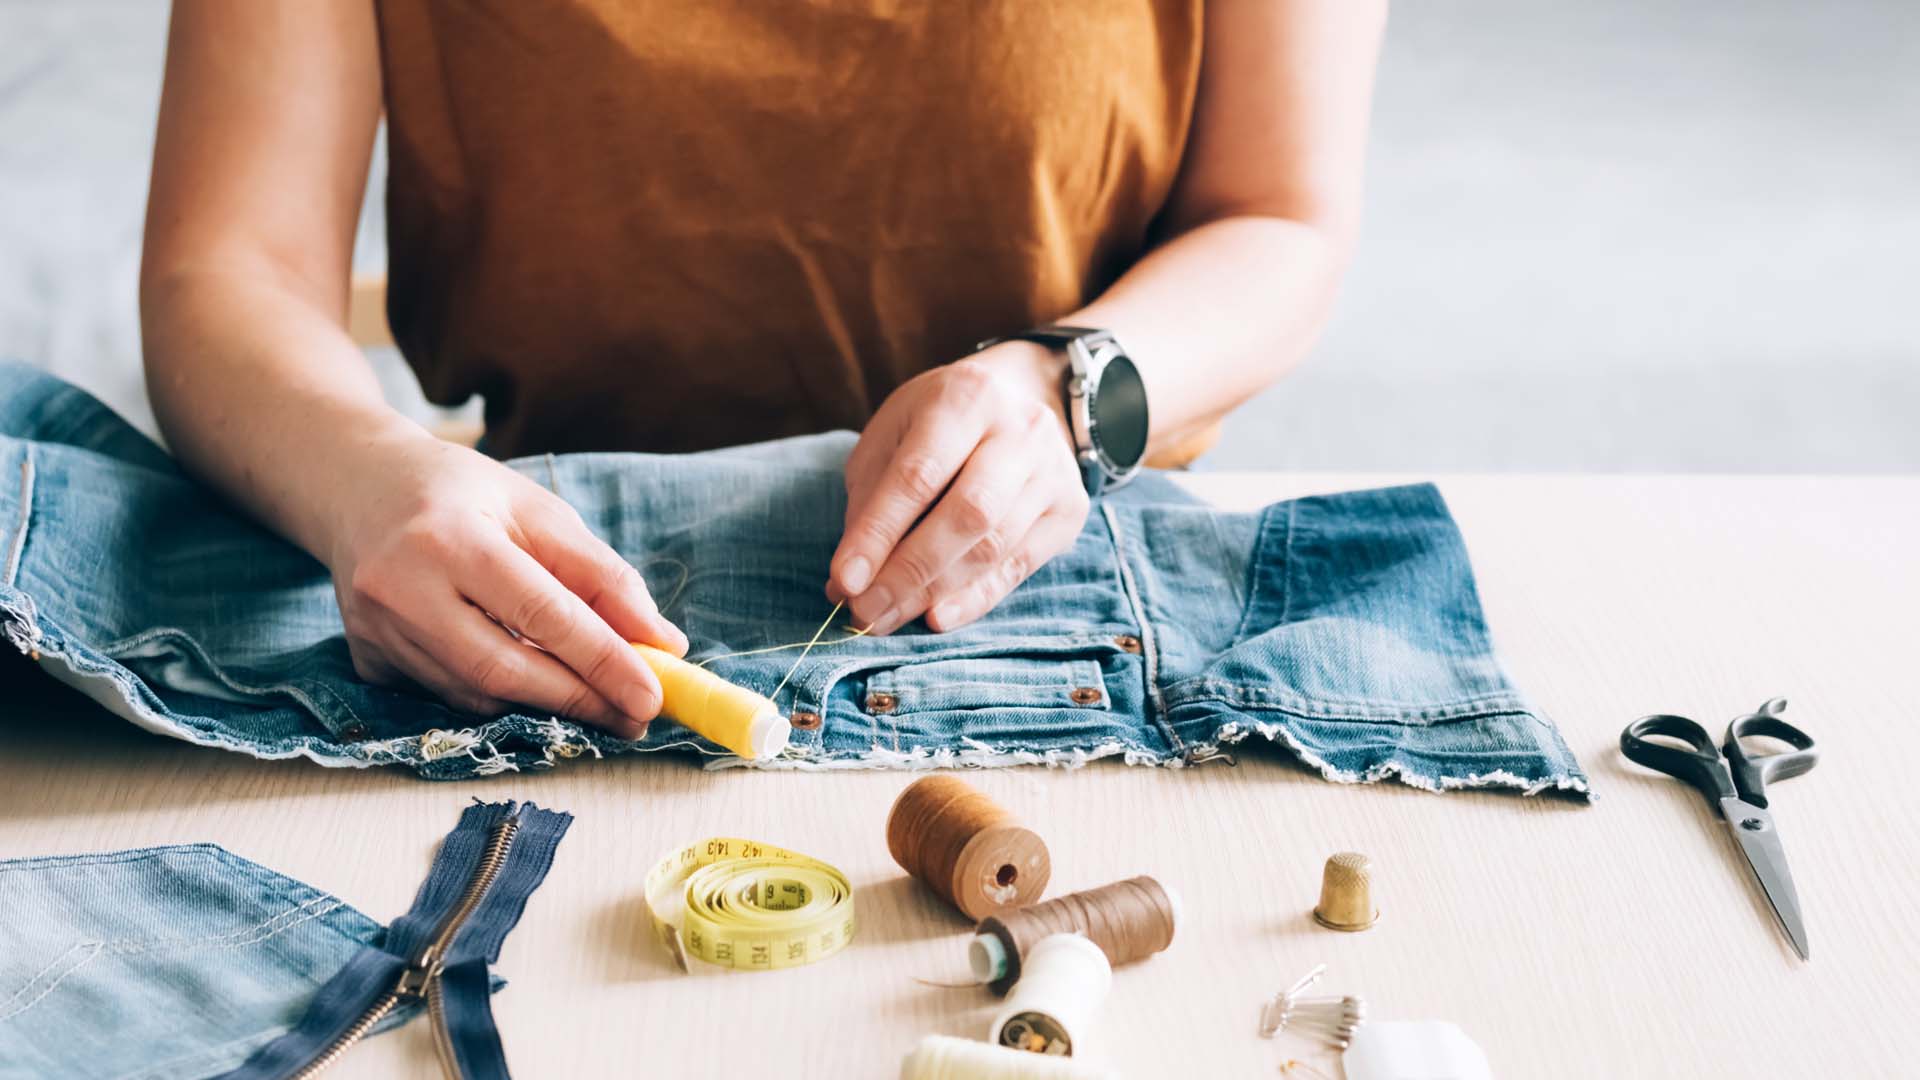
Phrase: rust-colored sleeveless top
(678, 224)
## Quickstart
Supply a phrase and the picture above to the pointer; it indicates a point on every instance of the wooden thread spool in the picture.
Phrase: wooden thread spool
(966, 847)
(1130, 920)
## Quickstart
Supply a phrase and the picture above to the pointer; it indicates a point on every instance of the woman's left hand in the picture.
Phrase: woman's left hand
(963, 484)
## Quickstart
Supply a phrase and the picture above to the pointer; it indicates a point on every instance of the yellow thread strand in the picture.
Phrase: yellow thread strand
(807, 645)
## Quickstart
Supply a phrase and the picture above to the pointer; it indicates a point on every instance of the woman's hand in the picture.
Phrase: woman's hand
(962, 485)
(441, 551)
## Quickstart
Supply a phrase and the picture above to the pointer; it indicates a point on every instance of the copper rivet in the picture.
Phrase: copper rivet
(354, 731)
(878, 702)
(1085, 695)
(1127, 643)
(805, 721)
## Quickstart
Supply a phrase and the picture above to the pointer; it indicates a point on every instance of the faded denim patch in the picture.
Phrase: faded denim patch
(165, 963)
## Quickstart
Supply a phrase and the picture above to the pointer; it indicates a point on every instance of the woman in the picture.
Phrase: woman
(676, 225)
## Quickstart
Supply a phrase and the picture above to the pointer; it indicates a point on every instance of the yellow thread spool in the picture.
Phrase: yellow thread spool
(733, 716)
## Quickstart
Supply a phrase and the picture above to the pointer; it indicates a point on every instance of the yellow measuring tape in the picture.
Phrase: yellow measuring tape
(747, 905)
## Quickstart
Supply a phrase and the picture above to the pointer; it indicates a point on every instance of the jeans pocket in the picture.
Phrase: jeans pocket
(930, 694)
(988, 682)
(300, 688)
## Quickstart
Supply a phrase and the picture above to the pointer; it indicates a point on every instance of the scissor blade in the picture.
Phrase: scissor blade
(1753, 830)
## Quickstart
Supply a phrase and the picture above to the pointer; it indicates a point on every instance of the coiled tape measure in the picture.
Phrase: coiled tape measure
(747, 905)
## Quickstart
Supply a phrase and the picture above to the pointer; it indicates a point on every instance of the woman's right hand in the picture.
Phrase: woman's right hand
(438, 551)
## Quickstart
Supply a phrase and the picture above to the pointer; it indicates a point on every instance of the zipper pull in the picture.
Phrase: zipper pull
(418, 978)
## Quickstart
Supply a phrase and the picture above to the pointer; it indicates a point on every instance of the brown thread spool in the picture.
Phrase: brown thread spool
(966, 847)
(1130, 920)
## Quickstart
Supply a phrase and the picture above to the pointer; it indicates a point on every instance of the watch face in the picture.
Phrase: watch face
(1120, 413)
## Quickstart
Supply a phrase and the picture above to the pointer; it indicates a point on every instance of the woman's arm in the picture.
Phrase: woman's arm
(964, 482)
(266, 123)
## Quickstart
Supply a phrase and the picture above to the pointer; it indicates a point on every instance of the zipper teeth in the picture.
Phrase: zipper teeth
(347, 1038)
(489, 868)
(495, 856)
(442, 1038)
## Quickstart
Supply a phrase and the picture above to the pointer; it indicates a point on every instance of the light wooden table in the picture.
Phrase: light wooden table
(1617, 939)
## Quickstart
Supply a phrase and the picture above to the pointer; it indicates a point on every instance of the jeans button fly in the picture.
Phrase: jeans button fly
(1127, 643)
(805, 721)
(881, 702)
(1085, 695)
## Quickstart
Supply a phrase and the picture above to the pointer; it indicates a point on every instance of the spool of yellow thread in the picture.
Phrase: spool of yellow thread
(733, 716)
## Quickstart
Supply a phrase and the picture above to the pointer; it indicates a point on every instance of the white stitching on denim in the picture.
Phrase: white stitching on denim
(19, 545)
(10, 1012)
(320, 905)
(312, 909)
(1149, 641)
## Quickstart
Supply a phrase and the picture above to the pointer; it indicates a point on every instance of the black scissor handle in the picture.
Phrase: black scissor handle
(1752, 772)
(1700, 766)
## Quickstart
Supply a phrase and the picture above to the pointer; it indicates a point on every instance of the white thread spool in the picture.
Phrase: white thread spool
(943, 1057)
(1062, 983)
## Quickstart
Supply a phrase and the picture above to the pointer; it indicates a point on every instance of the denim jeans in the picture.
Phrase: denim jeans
(1344, 627)
(168, 963)
(177, 963)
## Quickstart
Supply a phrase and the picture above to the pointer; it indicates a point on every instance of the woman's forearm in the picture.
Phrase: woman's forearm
(1218, 314)
(263, 396)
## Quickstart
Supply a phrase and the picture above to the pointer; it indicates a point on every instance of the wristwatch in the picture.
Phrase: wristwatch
(1106, 402)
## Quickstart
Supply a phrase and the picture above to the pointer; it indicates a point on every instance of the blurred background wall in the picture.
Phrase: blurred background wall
(1629, 235)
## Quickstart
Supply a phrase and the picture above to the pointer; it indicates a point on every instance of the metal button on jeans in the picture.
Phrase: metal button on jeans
(1127, 643)
(1085, 695)
(805, 721)
(881, 702)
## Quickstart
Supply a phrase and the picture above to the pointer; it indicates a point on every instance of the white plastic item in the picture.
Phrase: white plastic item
(1063, 981)
(1414, 1050)
(943, 1057)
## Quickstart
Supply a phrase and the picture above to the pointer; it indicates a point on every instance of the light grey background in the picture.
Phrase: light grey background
(1627, 235)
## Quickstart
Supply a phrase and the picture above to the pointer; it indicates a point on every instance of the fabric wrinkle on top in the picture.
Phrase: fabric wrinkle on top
(679, 225)
(1344, 627)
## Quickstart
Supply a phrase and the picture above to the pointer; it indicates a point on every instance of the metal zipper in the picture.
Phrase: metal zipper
(421, 979)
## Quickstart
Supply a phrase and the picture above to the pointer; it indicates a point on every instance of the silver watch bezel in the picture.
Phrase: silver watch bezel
(1088, 356)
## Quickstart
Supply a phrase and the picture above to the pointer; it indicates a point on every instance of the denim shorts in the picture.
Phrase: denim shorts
(1344, 628)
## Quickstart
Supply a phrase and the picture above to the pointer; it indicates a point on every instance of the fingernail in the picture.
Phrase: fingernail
(639, 703)
(675, 635)
(942, 616)
(888, 622)
(879, 600)
(856, 574)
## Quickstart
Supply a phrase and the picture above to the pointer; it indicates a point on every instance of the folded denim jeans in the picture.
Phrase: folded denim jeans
(1344, 627)
(168, 963)
(184, 962)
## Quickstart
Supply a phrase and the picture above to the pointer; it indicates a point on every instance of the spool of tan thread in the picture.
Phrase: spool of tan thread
(1130, 920)
(966, 847)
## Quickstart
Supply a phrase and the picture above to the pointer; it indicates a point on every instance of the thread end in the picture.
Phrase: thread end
(987, 956)
(768, 733)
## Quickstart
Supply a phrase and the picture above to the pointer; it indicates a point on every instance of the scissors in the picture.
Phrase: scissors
(1737, 788)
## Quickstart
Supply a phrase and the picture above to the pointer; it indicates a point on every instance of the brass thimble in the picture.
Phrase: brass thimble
(1346, 893)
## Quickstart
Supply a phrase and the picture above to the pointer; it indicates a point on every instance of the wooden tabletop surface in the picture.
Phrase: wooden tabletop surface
(1621, 938)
